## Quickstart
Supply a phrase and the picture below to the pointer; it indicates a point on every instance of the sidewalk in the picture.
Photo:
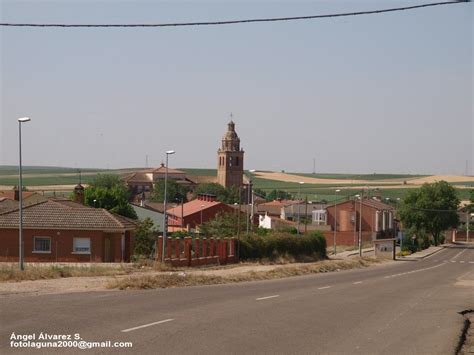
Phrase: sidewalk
(421, 254)
(351, 253)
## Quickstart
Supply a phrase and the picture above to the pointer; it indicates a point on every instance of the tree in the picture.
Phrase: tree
(174, 191)
(224, 225)
(278, 194)
(145, 238)
(107, 191)
(230, 195)
(432, 208)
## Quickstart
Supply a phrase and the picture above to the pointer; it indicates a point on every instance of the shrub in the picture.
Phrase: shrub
(256, 247)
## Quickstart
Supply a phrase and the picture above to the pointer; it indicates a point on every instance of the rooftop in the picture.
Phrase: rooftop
(66, 215)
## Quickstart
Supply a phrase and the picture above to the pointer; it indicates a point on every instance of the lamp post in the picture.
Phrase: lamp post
(360, 224)
(20, 199)
(250, 202)
(165, 216)
(299, 197)
(355, 218)
(335, 218)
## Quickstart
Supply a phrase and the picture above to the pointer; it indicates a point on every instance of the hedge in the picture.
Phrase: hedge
(255, 247)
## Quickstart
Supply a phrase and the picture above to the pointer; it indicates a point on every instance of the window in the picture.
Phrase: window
(41, 245)
(82, 245)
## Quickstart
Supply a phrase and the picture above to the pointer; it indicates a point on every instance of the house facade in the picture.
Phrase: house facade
(190, 215)
(65, 231)
(377, 217)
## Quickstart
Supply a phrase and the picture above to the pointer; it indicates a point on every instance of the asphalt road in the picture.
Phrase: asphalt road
(406, 307)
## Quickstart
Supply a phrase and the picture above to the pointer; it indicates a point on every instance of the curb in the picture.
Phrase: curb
(420, 257)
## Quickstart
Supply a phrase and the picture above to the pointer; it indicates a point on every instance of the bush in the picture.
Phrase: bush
(257, 247)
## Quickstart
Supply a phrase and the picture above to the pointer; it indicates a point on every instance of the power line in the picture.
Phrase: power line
(232, 22)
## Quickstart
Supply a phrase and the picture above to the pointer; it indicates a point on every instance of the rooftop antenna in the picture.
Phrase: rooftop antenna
(80, 176)
(146, 161)
(314, 166)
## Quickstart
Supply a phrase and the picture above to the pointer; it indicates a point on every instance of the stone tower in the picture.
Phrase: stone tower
(230, 159)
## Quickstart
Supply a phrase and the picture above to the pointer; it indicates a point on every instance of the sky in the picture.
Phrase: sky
(388, 93)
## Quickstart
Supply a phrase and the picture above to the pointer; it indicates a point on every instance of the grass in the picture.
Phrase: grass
(12, 273)
(181, 279)
(201, 172)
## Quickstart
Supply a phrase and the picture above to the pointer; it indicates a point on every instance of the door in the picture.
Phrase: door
(107, 250)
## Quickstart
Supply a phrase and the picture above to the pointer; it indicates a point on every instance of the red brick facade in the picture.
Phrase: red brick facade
(104, 247)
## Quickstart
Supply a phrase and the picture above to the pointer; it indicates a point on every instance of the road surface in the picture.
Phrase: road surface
(405, 307)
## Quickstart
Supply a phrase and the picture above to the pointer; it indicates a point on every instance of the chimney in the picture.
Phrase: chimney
(79, 194)
(17, 194)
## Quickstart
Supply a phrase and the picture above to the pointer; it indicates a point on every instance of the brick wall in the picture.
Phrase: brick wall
(62, 246)
(346, 238)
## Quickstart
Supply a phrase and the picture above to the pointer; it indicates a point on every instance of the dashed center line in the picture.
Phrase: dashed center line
(266, 298)
(413, 271)
(146, 325)
(357, 282)
(323, 288)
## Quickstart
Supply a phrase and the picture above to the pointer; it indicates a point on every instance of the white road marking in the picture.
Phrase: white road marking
(453, 261)
(323, 288)
(462, 251)
(411, 272)
(266, 298)
(357, 282)
(471, 262)
(461, 262)
(146, 325)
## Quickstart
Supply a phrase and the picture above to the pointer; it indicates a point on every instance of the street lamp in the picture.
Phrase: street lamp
(299, 197)
(165, 215)
(250, 199)
(20, 199)
(335, 218)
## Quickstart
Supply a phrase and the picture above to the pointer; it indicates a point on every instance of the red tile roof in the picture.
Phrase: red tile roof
(60, 215)
(192, 207)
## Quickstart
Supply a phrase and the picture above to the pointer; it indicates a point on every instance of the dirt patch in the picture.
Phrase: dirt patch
(149, 278)
(383, 184)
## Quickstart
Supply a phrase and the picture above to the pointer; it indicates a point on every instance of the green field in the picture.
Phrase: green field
(200, 172)
(360, 176)
(40, 175)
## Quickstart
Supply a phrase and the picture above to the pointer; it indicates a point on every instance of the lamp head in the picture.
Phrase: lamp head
(170, 152)
(24, 119)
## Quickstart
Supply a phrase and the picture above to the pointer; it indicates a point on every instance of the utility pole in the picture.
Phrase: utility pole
(305, 214)
(360, 224)
(468, 217)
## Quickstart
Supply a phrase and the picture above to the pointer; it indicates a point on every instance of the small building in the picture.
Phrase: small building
(142, 181)
(144, 212)
(66, 231)
(377, 217)
(191, 214)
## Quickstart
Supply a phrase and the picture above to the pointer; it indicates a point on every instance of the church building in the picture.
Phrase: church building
(230, 159)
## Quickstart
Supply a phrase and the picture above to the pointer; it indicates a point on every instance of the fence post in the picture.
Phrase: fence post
(159, 248)
(187, 249)
(226, 250)
(212, 247)
(197, 243)
(204, 247)
(169, 247)
(176, 247)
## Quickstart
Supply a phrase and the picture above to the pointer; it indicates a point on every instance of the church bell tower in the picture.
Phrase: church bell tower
(230, 159)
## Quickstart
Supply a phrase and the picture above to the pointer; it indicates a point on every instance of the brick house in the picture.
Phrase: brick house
(377, 217)
(193, 213)
(65, 231)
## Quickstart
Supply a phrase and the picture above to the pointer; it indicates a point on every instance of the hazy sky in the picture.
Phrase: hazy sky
(380, 93)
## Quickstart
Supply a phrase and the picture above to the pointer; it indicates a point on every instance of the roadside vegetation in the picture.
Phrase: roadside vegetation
(13, 273)
(182, 279)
